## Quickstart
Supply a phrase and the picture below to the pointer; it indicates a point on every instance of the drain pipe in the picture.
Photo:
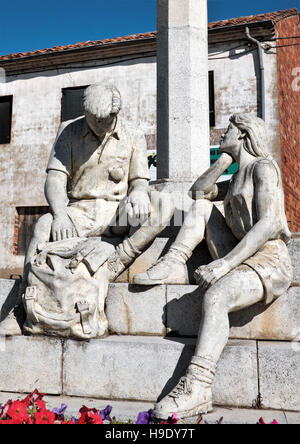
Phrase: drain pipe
(262, 111)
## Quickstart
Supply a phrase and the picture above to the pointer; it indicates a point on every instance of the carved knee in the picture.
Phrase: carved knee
(43, 227)
(214, 300)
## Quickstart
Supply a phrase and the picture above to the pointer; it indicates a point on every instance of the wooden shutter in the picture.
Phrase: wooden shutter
(27, 218)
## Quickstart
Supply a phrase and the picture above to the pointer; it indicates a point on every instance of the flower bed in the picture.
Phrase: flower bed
(32, 410)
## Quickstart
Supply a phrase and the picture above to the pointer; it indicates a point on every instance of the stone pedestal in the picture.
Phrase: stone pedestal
(182, 95)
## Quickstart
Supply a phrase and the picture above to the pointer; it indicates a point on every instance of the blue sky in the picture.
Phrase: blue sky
(36, 24)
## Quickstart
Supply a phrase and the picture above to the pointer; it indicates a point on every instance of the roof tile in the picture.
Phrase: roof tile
(274, 16)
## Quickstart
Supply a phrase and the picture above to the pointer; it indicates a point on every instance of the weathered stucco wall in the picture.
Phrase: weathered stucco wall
(35, 120)
(37, 110)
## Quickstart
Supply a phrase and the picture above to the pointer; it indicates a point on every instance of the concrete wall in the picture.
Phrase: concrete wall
(37, 108)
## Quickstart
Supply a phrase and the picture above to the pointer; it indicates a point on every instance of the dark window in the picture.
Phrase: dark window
(5, 119)
(72, 103)
(26, 217)
(212, 118)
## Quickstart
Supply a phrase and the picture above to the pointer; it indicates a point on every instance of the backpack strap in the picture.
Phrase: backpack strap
(84, 310)
(30, 298)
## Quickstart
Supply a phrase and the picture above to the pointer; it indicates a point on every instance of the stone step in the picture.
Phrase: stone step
(140, 368)
(199, 257)
(176, 310)
(128, 410)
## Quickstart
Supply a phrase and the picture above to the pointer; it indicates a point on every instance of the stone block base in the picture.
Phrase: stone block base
(144, 369)
(177, 311)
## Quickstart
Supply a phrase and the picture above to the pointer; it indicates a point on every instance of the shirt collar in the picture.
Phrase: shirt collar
(115, 133)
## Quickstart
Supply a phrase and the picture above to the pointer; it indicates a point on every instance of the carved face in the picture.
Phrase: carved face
(231, 141)
(100, 126)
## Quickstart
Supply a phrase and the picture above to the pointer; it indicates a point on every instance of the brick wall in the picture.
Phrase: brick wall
(288, 59)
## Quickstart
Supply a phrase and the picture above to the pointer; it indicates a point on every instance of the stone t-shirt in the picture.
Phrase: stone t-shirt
(95, 170)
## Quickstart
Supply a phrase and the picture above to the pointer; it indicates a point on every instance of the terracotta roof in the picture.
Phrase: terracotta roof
(274, 16)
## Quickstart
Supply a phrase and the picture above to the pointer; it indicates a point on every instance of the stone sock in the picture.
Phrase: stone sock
(180, 252)
(202, 368)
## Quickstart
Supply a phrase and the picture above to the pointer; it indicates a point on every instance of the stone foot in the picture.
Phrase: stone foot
(167, 270)
(192, 395)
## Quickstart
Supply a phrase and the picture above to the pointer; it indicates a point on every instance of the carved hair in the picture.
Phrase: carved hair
(256, 140)
(102, 99)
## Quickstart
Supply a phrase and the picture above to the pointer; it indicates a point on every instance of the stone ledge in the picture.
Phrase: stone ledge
(279, 374)
(144, 369)
(27, 363)
(277, 321)
(177, 309)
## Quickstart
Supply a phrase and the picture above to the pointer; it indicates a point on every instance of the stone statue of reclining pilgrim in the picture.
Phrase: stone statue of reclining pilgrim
(250, 264)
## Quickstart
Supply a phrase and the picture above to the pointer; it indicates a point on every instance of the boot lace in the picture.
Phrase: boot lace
(183, 387)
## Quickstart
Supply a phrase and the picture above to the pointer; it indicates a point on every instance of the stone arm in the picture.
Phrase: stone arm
(265, 193)
(205, 186)
(56, 195)
(138, 203)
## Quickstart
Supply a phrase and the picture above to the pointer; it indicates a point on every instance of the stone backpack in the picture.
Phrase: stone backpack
(65, 295)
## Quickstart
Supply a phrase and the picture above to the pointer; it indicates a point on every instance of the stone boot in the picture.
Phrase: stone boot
(170, 269)
(124, 255)
(192, 395)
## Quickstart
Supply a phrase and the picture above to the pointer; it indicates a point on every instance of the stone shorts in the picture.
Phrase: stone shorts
(273, 265)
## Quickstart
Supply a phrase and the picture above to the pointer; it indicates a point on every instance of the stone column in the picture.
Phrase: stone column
(182, 93)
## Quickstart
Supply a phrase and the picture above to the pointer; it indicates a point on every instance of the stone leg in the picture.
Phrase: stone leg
(239, 289)
(193, 395)
(203, 220)
(162, 209)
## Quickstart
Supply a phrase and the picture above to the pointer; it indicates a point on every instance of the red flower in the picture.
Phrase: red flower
(5, 409)
(44, 417)
(85, 409)
(261, 421)
(40, 404)
(89, 417)
(18, 412)
(35, 396)
(26, 401)
(6, 421)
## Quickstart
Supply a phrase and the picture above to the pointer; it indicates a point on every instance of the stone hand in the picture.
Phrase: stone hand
(207, 275)
(62, 228)
(138, 206)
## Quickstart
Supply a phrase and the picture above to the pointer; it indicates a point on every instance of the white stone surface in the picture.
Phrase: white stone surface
(279, 374)
(279, 321)
(134, 310)
(236, 378)
(294, 250)
(180, 311)
(27, 363)
(182, 94)
(131, 368)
